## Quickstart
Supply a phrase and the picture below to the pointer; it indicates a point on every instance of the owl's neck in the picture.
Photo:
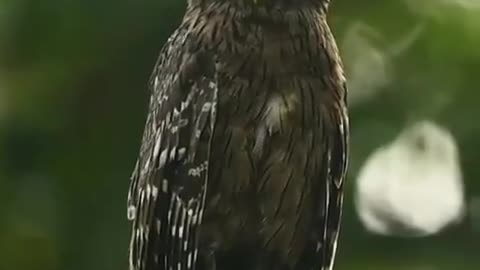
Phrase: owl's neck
(296, 41)
(274, 9)
(224, 24)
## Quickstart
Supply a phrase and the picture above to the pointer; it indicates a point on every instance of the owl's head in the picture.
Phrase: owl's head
(291, 3)
(267, 4)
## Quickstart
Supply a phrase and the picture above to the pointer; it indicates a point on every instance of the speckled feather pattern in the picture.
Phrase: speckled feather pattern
(245, 146)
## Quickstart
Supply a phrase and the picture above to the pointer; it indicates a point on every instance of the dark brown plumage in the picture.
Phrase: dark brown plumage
(244, 152)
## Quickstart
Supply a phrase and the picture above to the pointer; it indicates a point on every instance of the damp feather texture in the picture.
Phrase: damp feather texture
(245, 147)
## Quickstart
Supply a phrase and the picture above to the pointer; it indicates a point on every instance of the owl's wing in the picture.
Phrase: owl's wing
(168, 185)
(337, 143)
(320, 253)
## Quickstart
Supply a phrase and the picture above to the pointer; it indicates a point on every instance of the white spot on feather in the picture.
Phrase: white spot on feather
(154, 191)
(194, 221)
(206, 107)
(195, 254)
(180, 232)
(163, 158)
(176, 112)
(194, 172)
(185, 244)
(147, 165)
(334, 252)
(156, 148)
(181, 152)
(131, 212)
(189, 263)
(184, 105)
(173, 152)
(277, 109)
(142, 195)
(148, 190)
(155, 83)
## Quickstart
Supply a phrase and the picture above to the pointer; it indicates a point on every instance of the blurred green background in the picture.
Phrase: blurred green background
(73, 101)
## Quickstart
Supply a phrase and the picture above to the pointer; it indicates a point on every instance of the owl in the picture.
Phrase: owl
(245, 147)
